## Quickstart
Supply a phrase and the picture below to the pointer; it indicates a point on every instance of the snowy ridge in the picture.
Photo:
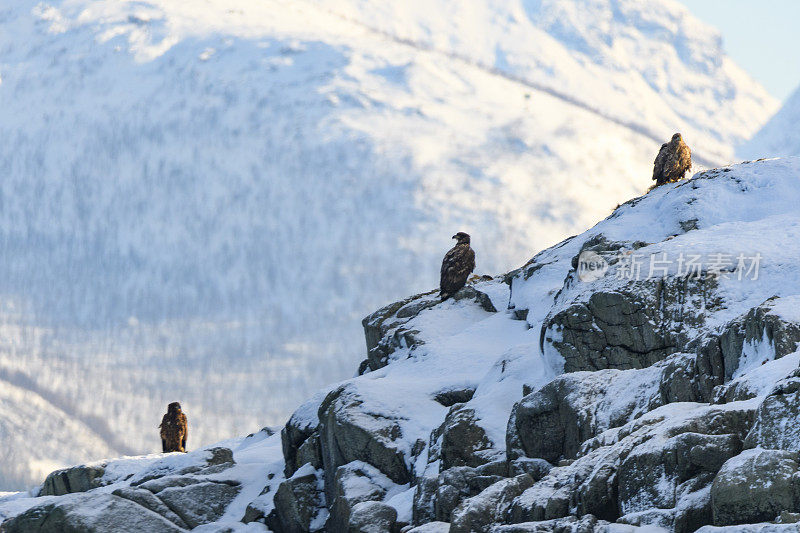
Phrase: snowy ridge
(199, 204)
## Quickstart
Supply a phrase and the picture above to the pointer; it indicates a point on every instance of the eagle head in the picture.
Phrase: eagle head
(461, 238)
(677, 137)
(174, 406)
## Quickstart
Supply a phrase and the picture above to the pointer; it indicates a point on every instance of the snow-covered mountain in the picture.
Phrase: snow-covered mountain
(780, 136)
(200, 200)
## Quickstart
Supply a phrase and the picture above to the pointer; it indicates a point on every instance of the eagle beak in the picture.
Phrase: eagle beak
(454, 237)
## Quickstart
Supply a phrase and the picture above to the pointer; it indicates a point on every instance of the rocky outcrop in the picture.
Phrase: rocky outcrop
(756, 486)
(386, 330)
(76, 479)
(629, 325)
(355, 483)
(771, 429)
(89, 513)
(299, 503)
(351, 432)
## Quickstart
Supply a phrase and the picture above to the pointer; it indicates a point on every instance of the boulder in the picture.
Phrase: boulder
(456, 484)
(775, 426)
(386, 331)
(354, 483)
(430, 527)
(299, 503)
(655, 473)
(75, 479)
(88, 513)
(199, 503)
(479, 513)
(423, 507)
(301, 427)
(351, 431)
(372, 517)
(628, 324)
(591, 484)
(756, 486)
(554, 421)
(464, 441)
(148, 500)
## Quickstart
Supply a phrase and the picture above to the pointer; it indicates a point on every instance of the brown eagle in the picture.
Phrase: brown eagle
(457, 265)
(174, 429)
(672, 162)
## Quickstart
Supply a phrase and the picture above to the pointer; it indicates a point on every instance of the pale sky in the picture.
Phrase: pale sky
(762, 36)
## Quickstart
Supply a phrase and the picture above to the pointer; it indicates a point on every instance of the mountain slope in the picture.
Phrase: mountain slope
(200, 201)
(779, 136)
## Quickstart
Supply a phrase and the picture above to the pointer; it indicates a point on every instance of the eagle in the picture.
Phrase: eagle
(174, 429)
(457, 265)
(672, 162)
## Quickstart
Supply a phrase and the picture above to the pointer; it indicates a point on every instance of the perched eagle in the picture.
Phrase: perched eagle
(672, 162)
(457, 265)
(174, 429)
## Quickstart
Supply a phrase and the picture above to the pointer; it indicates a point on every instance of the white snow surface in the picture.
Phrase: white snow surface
(200, 200)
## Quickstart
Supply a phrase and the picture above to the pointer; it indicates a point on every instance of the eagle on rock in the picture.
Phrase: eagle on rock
(672, 162)
(457, 265)
(174, 429)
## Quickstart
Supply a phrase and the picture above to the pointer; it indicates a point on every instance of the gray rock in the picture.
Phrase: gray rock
(554, 421)
(88, 513)
(423, 508)
(456, 484)
(351, 431)
(148, 500)
(633, 325)
(372, 517)
(755, 486)
(298, 502)
(453, 395)
(591, 484)
(751, 528)
(385, 330)
(479, 513)
(293, 435)
(430, 527)
(650, 476)
(536, 468)
(464, 441)
(200, 503)
(75, 479)
(569, 524)
(354, 483)
(775, 425)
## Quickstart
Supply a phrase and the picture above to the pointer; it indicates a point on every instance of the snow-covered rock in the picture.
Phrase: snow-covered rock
(481, 413)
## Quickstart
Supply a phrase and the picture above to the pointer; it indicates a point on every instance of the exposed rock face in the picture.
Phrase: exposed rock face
(385, 331)
(75, 479)
(756, 486)
(299, 503)
(634, 325)
(89, 513)
(771, 429)
(481, 512)
(354, 483)
(372, 517)
(464, 441)
(349, 433)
